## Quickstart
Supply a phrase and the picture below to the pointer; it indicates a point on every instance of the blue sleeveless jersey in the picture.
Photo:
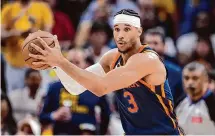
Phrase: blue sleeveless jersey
(145, 109)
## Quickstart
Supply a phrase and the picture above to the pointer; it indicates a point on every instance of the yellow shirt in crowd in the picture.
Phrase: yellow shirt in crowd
(38, 15)
(168, 5)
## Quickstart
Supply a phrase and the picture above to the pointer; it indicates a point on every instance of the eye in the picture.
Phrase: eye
(116, 29)
(195, 78)
(127, 29)
(186, 77)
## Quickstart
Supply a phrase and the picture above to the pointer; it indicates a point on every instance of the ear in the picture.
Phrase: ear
(140, 30)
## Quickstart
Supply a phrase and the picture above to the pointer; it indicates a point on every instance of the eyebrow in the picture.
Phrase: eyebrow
(127, 25)
(115, 25)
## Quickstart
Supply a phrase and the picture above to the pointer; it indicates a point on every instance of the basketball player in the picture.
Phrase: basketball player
(134, 71)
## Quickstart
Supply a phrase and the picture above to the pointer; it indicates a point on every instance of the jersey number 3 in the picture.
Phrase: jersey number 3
(133, 105)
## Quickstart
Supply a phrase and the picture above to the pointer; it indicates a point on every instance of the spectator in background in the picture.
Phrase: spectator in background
(62, 27)
(100, 34)
(8, 124)
(102, 11)
(196, 113)
(98, 10)
(87, 129)
(211, 74)
(148, 14)
(187, 42)
(166, 11)
(155, 39)
(203, 53)
(26, 100)
(189, 9)
(115, 125)
(152, 18)
(67, 112)
(29, 126)
(19, 18)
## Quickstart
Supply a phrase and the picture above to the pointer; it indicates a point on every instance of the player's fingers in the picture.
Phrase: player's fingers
(38, 63)
(37, 69)
(39, 49)
(45, 45)
(56, 41)
(40, 57)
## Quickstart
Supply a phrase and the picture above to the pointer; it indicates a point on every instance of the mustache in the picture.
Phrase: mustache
(121, 41)
(191, 88)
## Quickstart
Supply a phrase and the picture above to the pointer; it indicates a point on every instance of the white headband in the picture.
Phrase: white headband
(127, 19)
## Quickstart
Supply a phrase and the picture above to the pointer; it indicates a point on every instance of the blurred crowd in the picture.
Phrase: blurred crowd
(35, 102)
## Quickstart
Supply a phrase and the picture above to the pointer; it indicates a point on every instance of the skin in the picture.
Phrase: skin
(195, 83)
(155, 42)
(77, 57)
(128, 42)
(33, 83)
(4, 110)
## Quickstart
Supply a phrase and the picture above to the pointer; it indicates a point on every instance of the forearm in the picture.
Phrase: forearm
(69, 83)
(87, 79)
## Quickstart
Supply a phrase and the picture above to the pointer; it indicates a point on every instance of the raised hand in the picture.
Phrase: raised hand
(50, 56)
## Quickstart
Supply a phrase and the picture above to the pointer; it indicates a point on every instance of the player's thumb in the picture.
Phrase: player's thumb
(56, 41)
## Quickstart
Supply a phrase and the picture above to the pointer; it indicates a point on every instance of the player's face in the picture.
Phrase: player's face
(193, 82)
(155, 42)
(34, 80)
(125, 37)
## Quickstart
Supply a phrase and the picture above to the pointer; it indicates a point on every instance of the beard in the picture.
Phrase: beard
(125, 51)
(129, 48)
(34, 87)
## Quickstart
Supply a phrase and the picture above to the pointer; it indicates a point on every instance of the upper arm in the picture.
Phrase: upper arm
(138, 66)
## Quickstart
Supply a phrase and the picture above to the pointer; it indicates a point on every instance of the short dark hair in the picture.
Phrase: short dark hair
(129, 12)
(195, 66)
(29, 71)
(99, 26)
(156, 31)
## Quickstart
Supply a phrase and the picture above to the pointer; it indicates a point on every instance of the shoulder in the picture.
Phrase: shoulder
(109, 58)
(145, 58)
(209, 98)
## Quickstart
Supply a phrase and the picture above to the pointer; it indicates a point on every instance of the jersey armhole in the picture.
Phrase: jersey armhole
(114, 61)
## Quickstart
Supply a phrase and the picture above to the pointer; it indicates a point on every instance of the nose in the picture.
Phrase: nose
(121, 36)
(189, 82)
